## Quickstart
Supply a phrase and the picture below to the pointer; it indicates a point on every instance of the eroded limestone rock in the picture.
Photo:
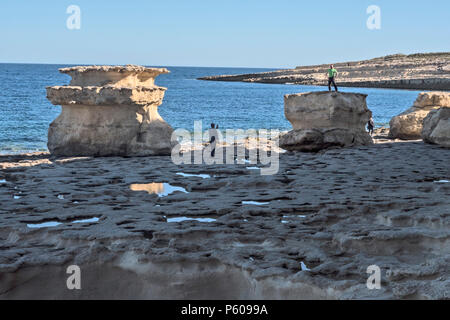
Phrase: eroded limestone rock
(408, 125)
(436, 127)
(323, 119)
(315, 228)
(109, 110)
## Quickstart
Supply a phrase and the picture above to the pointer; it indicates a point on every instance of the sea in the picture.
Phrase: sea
(25, 112)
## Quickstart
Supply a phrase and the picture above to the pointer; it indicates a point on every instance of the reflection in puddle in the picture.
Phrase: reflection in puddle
(294, 216)
(91, 220)
(291, 216)
(181, 219)
(161, 189)
(304, 267)
(255, 203)
(44, 224)
(49, 224)
(242, 161)
(187, 175)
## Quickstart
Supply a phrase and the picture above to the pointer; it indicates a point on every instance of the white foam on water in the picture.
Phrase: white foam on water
(60, 197)
(2, 181)
(17, 197)
(442, 181)
(253, 168)
(181, 219)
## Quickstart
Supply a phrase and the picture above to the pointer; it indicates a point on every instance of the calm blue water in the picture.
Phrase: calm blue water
(25, 113)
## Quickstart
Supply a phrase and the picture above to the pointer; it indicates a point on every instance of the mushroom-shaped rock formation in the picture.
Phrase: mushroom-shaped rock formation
(325, 119)
(409, 124)
(109, 111)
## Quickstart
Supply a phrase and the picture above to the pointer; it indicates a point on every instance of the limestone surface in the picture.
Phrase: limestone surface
(436, 127)
(325, 119)
(109, 111)
(225, 231)
(408, 125)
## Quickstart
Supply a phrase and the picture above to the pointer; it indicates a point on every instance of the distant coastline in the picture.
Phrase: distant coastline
(421, 71)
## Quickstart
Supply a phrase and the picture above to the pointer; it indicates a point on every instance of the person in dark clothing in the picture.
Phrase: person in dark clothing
(212, 138)
(370, 126)
(332, 73)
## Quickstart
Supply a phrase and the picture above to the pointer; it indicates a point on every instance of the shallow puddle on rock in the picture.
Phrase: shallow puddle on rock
(47, 224)
(181, 219)
(242, 161)
(187, 175)
(304, 267)
(161, 189)
(255, 203)
(90, 220)
(294, 216)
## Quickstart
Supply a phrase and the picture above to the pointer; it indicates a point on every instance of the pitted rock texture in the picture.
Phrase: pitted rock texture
(322, 220)
(436, 127)
(109, 111)
(325, 119)
(422, 71)
(408, 125)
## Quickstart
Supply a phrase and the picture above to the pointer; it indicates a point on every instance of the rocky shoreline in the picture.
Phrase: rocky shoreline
(428, 71)
(140, 224)
(226, 232)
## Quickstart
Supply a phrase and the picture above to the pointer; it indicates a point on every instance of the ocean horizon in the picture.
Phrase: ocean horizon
(26, 113)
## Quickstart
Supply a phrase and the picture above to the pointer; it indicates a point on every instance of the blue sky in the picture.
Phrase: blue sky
(232, 33)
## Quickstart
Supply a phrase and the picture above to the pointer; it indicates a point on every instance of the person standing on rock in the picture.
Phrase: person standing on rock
(370, 126)
(332, 73)
(213, 138)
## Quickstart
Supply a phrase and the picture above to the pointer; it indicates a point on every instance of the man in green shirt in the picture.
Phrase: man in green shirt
(332, 73)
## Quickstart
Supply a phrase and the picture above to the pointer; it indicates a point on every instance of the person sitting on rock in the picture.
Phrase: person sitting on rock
(332, 73)
(370, 126)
